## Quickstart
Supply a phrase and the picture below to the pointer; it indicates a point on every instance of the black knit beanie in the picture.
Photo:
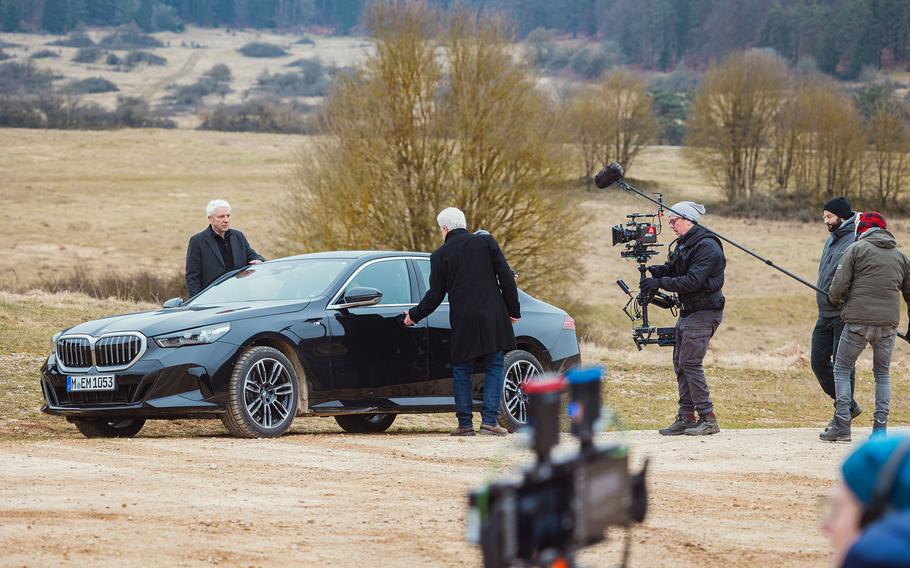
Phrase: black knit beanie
(840, 207)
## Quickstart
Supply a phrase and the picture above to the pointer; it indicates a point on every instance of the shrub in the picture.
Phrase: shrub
(305, 40)
(52, 111)
(137, 287)
(129, 37)
(91, 85)
(75, 39)
(166, 19)
(87, 55)
(292, 84)
(113, 59)
(221, 73)
(262, 49)
(45, 54)
(4, 56)
(261, 116)
(24, 78)
(134, 58)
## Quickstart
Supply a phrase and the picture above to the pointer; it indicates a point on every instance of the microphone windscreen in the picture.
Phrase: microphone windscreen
(606, 177)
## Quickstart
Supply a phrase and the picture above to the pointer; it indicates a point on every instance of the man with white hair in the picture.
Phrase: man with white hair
(217, 249)
(483, 305)
(694, 270)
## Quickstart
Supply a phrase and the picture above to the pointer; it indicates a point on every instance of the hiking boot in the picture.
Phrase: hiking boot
(704, 427)
(463, 431)
(838, 432)
(492, 430)
(879, 428)
(679, 427)
(855, 410)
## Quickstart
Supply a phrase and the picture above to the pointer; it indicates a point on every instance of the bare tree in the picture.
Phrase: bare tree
(732, 119)
(890, 145)
(441, 115)
(611, 120)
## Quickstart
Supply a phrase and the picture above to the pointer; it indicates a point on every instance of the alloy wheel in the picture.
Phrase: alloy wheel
(268, 393)
(516, 401)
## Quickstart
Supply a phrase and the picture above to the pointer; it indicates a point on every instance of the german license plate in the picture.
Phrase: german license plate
(79, 383)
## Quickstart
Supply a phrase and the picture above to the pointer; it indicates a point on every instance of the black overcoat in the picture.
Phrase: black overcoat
(204, 263)
(472, 270)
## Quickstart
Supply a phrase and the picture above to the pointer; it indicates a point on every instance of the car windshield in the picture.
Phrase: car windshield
(283, 280)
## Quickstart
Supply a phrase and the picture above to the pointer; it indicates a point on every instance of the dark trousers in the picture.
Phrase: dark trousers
(494, 377)
(693, 332)
(825, 339)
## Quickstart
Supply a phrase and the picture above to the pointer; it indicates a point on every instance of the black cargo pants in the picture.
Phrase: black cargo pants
(693, 332)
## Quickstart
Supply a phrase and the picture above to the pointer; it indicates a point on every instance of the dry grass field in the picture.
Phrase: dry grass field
(189, 55)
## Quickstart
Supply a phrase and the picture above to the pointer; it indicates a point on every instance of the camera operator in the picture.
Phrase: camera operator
(695, 271)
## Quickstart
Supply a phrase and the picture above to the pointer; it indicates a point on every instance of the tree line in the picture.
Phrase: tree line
(843, 36)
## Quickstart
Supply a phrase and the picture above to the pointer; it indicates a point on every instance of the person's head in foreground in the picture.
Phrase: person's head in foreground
(869, 518)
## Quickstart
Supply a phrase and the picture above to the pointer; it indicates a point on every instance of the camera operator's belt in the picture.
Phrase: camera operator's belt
(713, 301)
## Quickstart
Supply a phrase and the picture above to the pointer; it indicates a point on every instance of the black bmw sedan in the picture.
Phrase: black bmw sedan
(310, 335)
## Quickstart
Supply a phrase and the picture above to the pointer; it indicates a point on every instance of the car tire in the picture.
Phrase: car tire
(262, 394)
(365, 423)
(519, 366)
(95, 428)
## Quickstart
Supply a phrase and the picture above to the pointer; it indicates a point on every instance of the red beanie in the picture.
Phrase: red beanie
(870, 220)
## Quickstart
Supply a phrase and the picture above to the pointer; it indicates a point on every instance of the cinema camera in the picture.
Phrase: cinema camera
(560, 504)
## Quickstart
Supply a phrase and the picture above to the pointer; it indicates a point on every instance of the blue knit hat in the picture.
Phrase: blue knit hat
(861, 469)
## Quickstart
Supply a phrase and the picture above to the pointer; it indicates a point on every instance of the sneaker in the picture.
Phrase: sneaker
(703, 428)
(463, 431)
(679, 426)
(492, 430)
(839, 432)
(879, 428)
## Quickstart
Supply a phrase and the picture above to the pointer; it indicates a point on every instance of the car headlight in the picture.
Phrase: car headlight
(197, 336)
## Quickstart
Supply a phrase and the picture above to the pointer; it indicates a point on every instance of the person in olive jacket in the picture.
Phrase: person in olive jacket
(869, 283)
(483, 305)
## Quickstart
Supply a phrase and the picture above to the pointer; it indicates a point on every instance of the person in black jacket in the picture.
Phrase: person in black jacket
(695, 271)
(217, 249)
(483, 305)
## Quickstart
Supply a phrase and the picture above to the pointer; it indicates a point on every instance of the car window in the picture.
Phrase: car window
(282, 280)
(423, 269)
(389, 277)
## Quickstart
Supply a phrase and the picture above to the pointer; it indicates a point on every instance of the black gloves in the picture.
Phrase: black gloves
(649, 285)
(656, 270)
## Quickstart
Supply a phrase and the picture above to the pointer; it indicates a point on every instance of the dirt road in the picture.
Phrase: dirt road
(738, 498)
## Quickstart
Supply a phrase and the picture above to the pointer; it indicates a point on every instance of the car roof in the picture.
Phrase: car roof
(356, 254)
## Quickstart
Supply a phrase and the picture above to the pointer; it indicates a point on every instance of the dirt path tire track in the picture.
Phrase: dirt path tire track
(187, 68)
(739, 498)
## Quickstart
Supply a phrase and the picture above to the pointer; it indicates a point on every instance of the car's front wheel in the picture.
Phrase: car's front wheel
(262, 394)
(520, 367)
(95, 428)
(365, 423)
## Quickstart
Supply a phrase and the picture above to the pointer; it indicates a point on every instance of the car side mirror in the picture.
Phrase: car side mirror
(360, 297)
(173, 303)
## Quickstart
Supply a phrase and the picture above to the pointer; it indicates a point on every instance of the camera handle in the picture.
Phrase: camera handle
(622, 183)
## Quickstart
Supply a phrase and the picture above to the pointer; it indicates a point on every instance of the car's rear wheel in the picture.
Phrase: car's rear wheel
(95, 428)
(365, 423)
(262, 394)
(520, 367)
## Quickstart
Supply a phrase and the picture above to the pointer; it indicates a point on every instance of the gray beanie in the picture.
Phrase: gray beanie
(688, 209)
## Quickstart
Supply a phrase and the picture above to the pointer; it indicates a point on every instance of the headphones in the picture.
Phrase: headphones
(884, 485)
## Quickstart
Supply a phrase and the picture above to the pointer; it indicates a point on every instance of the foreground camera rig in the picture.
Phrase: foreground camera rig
(640, 238)
(559, 505)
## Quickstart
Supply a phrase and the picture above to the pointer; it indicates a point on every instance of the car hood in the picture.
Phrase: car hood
(186, 317)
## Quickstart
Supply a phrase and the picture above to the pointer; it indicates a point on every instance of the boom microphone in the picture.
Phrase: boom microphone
(611, 174)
